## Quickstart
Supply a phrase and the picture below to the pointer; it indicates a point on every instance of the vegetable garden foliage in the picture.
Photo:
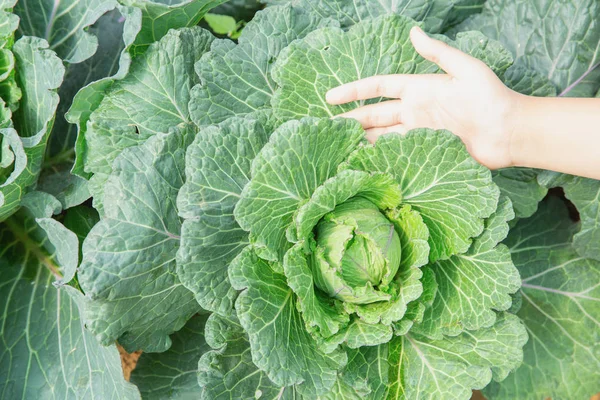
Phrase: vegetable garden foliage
(252, 246)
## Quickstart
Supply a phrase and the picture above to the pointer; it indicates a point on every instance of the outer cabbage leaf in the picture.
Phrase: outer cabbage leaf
(14, 162)
(449, 368)
(173, 373)
(111, 63)
(461, 10)
(559, 306)
(433, 13)
(367, 371)
(281, 345)
(236, 78)
(472, 285)
(159, 16)
(228, 371)
(105, 61)
(151, 99)
(555, 38)
(522, 187)
(584, 194)
(439, 179)
(71, 190)
(217, 169)
(40, 73)
(64, 25)
(128, 268)
(46, 351)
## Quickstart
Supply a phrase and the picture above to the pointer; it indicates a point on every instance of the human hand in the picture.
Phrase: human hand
(469, 100)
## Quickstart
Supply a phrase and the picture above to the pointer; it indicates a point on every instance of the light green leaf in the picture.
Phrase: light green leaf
(472, 285)
(567, 54)
(159, 16)
(322, 316)
(217, 168)
(560, 296)
(63, 24)
(46, 352)
(228, 371)
(449, 368)
(413, 234)
(236, 79)
(221, 24)
(10, 93)
(128, 268)
(439, 179)
(9, 23)
(283, 178)
(40, 73)
(241, 10)
(173, 373)
(415, 311)
(267, 311)
(151, 99)
(379, 189)
(359, 333)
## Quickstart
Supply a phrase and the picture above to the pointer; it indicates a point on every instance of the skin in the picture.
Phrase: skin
(500, 127)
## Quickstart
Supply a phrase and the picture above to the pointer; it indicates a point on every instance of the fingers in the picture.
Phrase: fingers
(451, 60)
(368, 88)
(391, 86)
(382, 114)
(373, 134)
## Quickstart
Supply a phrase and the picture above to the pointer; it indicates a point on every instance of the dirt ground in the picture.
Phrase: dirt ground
(129, 360)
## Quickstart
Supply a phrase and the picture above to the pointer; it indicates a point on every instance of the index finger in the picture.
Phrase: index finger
(375, 86)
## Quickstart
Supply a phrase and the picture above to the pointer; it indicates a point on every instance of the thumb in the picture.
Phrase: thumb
(451, 60)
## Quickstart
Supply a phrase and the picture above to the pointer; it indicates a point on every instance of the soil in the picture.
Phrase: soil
(128, 361)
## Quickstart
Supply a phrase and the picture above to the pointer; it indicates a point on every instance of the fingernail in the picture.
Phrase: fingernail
(330, 96)
(418, 31)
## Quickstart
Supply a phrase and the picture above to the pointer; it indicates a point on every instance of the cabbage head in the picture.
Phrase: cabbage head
(332, 254)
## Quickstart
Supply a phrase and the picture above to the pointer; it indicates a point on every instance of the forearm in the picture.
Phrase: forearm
(559, 134)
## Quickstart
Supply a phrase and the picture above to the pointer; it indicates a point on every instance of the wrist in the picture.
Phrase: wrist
(517, 130)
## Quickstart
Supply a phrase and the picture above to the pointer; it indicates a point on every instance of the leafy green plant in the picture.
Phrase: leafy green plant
(192, 197)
